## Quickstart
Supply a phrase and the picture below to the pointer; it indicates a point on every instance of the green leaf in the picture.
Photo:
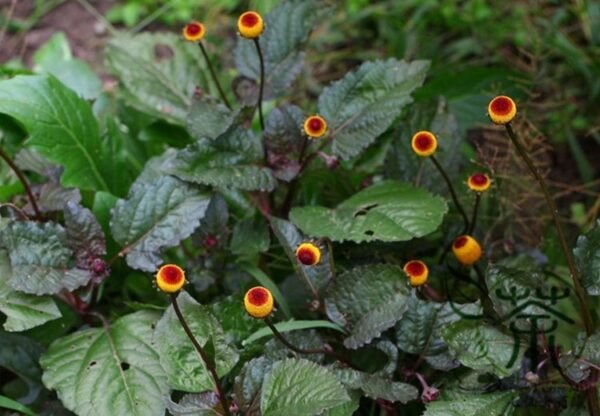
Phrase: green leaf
(587, 253)
(386, 211)
(419, 330)
(377, 387)
(229, 161)
(234, 319)
(61, 127)
(22, 311)
(483, 347)
(41, 261)
(182, 364)
(367, 300)
(364, 104)
(154, 217)
(167, 71)
(284, 138)
(298, 387)
(20, 356)
(109, 371)
(203, 404)
(345, 409)
(488, 404)
(84, 233)
(55, 58)
(266, 281)
(208, 118)
(248, 384)
(287, 28)
(250, 236)
(8, 403)
(291, 326)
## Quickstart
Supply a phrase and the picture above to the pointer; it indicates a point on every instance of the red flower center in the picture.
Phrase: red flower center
(315, 124)
(501, 106)
(415, 268)
(460, 241)
(258, 296)
(250, 19)
(306, 256)
(479, 179)
(193, 29)
(171, 275)
(423, 142)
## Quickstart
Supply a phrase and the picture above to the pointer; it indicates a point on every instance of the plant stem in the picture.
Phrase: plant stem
(208, 362)
(262, 82)
(451, 189)
(23, 180)
(213, 74)
(474, 217)
(292, 347)
(584, 311)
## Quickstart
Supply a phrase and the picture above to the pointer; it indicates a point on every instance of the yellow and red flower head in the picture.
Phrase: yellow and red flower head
(308, 254)
(250, 25)
(479, 182)
(417, 272)
(193, 32)
(424, 143)
(467, 250)
(502, 109)
(170, 278)
(258, 302)
(315, 127)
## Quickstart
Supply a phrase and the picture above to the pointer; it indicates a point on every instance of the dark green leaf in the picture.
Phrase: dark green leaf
(20, 356)
(489, 404)
(229, 161)
(22, 311)
(154, 217)
(8, 403)
(234, 319)
(208, 118)
(164, 77)
(109, 371)
(367, 300)
(84, 233)
(248, 384)
(364, 104)
(202, 404)
(40, 259)
(291, 326)
(386, 211)
(250, 236)
(180, 361)
(297, 387)
(587, 253)
(377, 387)
(284, 139)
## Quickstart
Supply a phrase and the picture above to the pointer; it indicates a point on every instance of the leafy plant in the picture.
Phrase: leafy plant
(192, 244)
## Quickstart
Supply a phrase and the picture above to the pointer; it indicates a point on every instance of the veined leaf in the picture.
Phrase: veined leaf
(181, 362)
(377, 387)
(61, 127)
(367, 300)
(298, 387)
(109, 371)
(20, 356)
(386, 211)
(587, 253)
(248, 384)
(364, 104)
(164, 77)
(488, 404)
(41, 261)
(229, 161)
(22, 311)
(154, 217)
(202, 404)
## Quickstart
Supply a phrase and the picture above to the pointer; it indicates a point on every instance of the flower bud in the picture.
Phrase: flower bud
(479, 182)
(467, 250)
(250, 25)
(170, 278)
(315, 127)
(193, 32)
(424, 143)
(502, 110)
(258, 302)
(308, 254)
(417, 272)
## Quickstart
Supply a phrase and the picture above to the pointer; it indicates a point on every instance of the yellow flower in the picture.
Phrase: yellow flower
(193, 32)
(170, 278)
(479, 182)
(315, 126)
(502, 109)
(308, 254)
(258, 302)
(467, 250)
(250, 25)
(424, 143)
(417, 272)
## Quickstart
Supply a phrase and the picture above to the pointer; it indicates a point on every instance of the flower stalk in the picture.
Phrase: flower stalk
(208, 362)
(15, 168)
(213, 75)
(262, 82)
(474, 215)
(452, 192)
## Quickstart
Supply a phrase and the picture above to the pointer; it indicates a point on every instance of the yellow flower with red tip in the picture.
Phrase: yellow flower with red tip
(193, 32)
(250, 25)
(308, 254)
(467, 250)
(424, 143)
(258, 302)
(417, 272)
(479, 182)
(170, 278)
(315, 127)
(502, 109)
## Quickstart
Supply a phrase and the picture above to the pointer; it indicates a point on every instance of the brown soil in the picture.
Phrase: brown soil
(85, 32)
